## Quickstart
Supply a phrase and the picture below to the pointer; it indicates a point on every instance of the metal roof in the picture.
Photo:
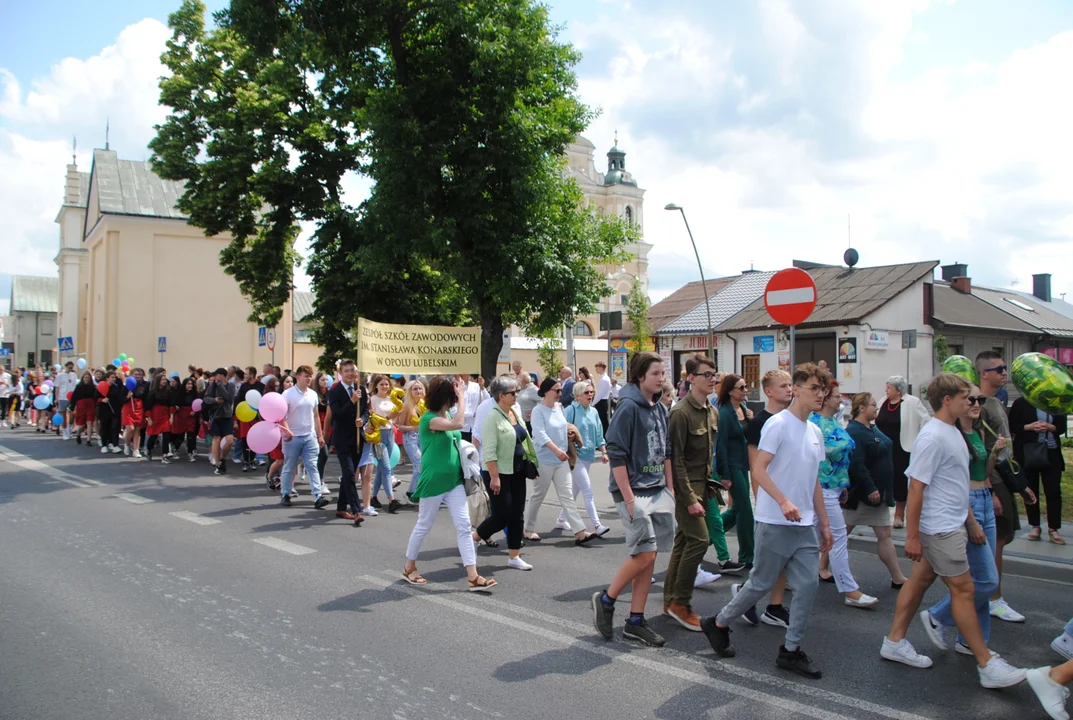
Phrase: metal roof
(682, 300)
(959, 309)
(129, 187)
(1028, 309)
(1058, 305)
(726, 303)
(843, 295)
(302, 305)
(31, 293)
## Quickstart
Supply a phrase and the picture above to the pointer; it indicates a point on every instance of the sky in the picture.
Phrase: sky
(787, 129)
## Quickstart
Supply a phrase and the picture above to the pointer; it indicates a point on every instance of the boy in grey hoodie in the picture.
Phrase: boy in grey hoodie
(639, 452)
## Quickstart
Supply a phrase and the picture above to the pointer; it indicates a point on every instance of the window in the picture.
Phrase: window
(623, 299)
(957, 350)
(582, 329)
(629, 215)
(1019, 304)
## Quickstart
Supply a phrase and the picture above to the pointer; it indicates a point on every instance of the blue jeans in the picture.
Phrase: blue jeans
(307, 449)
(412, 443)
(981, 566)
(383, 463)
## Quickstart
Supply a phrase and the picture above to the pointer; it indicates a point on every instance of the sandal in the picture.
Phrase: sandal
(481, 584)
(899, 523)
(1055, 537)
(531, 537)
(585, 539)
(1034, 534)
(489, 543)
(413, 577)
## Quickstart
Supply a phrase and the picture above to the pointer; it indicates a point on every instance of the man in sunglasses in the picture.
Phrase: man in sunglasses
(993, 372)
(791, 522)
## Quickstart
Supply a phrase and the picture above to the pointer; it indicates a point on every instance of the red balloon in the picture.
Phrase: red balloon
(70, 394)
(40, 390)
(102, 387)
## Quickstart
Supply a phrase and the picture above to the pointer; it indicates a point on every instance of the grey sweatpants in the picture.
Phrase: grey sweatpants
(795, 549)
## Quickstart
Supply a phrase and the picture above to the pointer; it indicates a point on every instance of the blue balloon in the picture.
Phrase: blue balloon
(41, 402)
(329, 379)
(117, 362)
(81, 363)
(131, 383)
(57, 419)
(393, 460)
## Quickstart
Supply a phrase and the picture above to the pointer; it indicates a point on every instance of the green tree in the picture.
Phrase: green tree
(459, 113)
(637, 312)
(548, 354)
(942, 348)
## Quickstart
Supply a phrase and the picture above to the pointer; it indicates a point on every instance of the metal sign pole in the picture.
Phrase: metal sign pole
(793, 348)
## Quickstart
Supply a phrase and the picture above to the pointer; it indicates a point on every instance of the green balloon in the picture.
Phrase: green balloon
(122, 356)
(131, 361)
(963, 367)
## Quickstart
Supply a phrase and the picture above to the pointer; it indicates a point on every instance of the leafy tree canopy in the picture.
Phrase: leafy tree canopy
(458, 111)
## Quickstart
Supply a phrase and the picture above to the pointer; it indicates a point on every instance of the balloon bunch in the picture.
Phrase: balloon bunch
(372, 428)
(264, 436)
(124, 362)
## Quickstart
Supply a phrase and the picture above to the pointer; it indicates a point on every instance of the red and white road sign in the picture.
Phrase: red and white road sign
(271, 338)
(790, 296)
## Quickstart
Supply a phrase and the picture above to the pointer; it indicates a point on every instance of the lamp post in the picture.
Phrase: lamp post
(700, 268)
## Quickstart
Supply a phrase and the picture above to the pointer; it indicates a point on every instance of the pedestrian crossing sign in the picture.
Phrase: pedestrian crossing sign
(261, 336)
(67, 344)
(161, 344)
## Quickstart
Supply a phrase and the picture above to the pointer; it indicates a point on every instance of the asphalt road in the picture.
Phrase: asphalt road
(141, 591)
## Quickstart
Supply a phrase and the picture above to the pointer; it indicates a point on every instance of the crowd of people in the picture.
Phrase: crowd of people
(687, 465)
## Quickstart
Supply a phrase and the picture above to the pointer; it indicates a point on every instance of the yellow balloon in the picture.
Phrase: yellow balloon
(245, 413)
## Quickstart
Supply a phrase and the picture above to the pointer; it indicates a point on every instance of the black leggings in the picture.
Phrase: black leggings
(507, 509)
(1051, 478)
(165, 440)
(191, 441)
(108, 428)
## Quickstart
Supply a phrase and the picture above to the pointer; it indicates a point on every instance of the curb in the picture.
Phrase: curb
(1013, 563)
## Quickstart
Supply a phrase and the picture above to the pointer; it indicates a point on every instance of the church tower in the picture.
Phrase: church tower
(72, 258)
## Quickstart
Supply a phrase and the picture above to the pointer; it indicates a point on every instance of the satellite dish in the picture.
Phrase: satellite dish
(851, 257)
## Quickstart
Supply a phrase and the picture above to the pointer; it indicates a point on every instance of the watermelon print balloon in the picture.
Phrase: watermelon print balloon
(963, 368)
(1044, 382)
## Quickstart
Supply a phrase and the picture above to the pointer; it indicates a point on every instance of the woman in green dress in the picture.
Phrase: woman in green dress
(732, 459)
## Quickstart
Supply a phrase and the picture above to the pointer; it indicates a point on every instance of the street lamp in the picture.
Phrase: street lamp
(704, 286)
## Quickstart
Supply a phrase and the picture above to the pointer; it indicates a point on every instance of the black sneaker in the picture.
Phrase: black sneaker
(643, 633)
(245, 467)
(285, 501)
(749, 615)
(78, 439)
(603, 616)
(777, 616)
(798, 662)
(221, 469)
(731, 568)
(393, 506)
(718, 638)
(320, 502)
(375, 502)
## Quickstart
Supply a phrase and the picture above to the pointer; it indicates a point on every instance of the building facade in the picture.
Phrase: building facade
(31, 332)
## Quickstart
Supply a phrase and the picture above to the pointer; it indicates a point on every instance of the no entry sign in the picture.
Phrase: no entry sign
(790, 296)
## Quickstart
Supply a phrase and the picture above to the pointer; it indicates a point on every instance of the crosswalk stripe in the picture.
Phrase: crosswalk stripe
(195, 518)
(132, 498)
(287, 547)
(26, 463)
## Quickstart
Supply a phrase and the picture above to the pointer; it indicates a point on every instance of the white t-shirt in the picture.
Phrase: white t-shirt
(478, 421)
(940, 460)
(65, 383)
(301, 410)
(603, 388)
(383, 407)
(798, 449)
(5, 383)
(474, 397)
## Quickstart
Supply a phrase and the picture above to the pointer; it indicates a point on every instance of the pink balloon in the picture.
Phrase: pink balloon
(263, 437)
(273, 408)
(196, 405)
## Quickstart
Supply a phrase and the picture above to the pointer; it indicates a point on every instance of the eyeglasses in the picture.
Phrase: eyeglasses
(816, 389)
(708, 375)
(588, 392)
(973, 399)
(997, 368)
(509, 392)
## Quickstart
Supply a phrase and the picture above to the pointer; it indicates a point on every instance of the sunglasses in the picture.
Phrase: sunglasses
(997, 368)
(974, 399)
(741, 387)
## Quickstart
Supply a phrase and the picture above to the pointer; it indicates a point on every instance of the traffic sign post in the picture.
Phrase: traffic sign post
(790, 297)
(66, 344)
(261, 341)
(161, 347)
(270, 340)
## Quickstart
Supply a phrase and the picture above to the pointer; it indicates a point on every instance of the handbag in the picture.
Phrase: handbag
(1036, 456)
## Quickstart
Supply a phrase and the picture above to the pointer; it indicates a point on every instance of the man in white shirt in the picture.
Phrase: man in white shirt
(602, 399)
(65, 382)
(475, 395)
(937, 510)
(303, 437)
(789, 508)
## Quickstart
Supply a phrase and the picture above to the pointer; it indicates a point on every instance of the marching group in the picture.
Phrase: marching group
(685, 468)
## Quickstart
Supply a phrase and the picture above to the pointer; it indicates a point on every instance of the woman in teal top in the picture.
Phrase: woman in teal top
(834, 481)
(441, 479)
(583, 415)
(732, 460)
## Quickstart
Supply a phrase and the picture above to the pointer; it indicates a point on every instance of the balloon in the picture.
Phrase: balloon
(245, 413)
(70, 394)
(130, 360)
(41, 402)
(122, 356)
(393, 460)
(102, 387)
(329, 379)
(131, 383)
(196, 405)
(57, 368)
(117, 362)
(125, 367)
(48, 384)
(1044, 382)
(264, 437)
(273, 407)
(253, 399)
(81, 363)
(57, 419)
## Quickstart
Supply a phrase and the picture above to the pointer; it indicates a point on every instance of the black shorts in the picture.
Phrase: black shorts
(221, 427)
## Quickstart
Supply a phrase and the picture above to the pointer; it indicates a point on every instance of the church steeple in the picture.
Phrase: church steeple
(616, 167)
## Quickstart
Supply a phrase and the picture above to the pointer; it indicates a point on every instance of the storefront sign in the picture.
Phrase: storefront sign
(763, 343)
(1062, 355)
(784, 360)
(418, 349)
(847, 350)
(877, 340)
(618, 367)
(698, 342)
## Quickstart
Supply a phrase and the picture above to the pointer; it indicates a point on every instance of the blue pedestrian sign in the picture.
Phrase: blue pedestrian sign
(67, 344)
(4, 352)
(161, 344)
(262, 336)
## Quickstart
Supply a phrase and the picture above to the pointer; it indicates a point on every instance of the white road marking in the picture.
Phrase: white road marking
(26, 463)
(791, 296)
(132, 498)
(195, 518)
(287, 547)
(635, 659)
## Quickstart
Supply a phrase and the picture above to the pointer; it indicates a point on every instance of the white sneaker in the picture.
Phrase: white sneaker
(1002, 610)
(114, 449)
(1000, 674)
(1063, 645)
(561, 525)
(104, 448)
(602, 530)
(126, 450)
(369, 512)
(136, 455)
(212, 461)
(1050, 694)
(518, 564)
(938, 634)
(904, 652)
(966, 650)
(705, 578)
(864, 601)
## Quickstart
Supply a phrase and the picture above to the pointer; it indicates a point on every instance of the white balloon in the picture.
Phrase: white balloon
(253, 398)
